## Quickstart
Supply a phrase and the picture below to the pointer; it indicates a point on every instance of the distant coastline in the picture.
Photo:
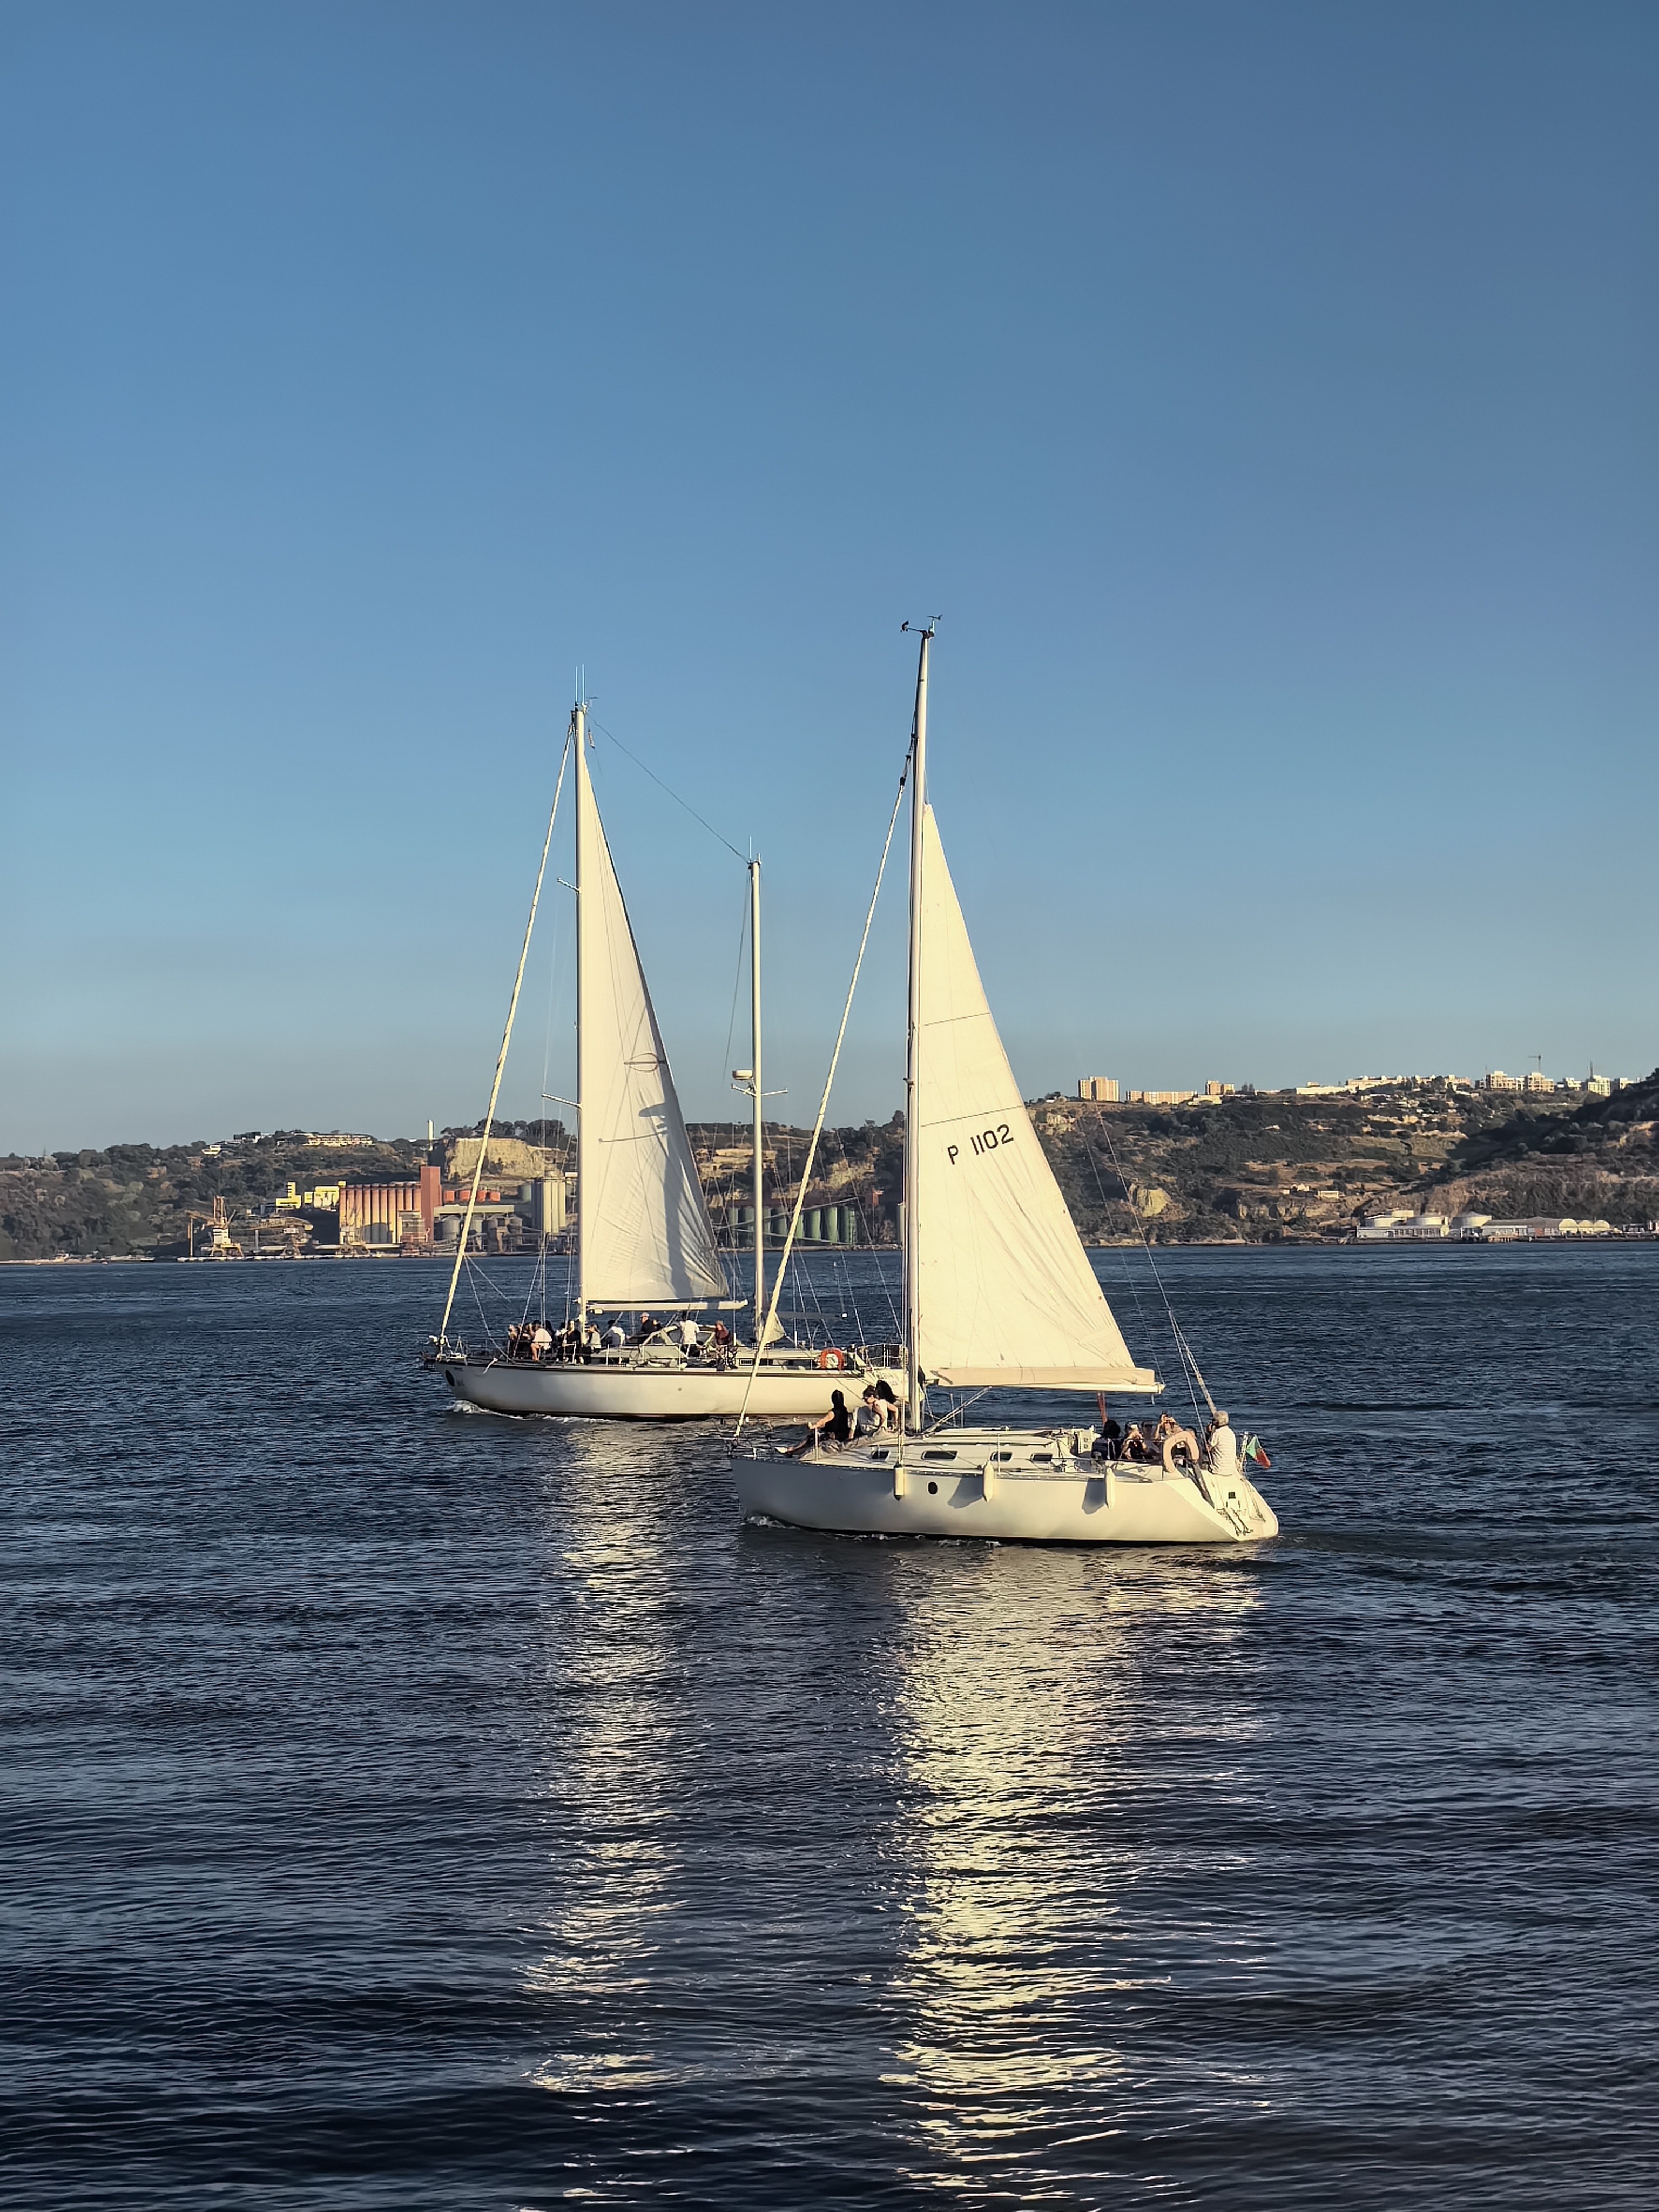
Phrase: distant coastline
(1416, 1160)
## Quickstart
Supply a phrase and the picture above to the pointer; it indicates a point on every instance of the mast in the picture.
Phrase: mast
(585, 1182)
(913, 1040)
(760, 1100)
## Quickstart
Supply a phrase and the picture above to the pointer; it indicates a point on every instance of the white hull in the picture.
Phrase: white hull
(658, 1392)
(992, 1485)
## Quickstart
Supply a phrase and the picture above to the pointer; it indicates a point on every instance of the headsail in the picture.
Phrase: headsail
(646, 1238)
(1006, 1294)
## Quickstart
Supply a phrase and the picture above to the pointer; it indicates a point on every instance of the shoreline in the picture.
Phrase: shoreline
(1115, 1245)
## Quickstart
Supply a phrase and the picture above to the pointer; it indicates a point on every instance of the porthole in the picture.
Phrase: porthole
(932, 1490)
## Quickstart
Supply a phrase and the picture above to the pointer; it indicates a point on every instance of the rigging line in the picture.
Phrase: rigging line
(736, 984)
(472, 1284)
(1127, 1203)
(1181, 1346)
(507, 1039)
(668, 787)
(477, 1275)
(959, 1408)
(824, 1108)
(547, 1063)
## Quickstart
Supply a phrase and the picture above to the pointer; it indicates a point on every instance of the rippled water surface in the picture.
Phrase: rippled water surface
(412, 1808)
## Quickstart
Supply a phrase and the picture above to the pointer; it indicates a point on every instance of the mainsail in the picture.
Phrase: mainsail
(646, 1236)
(1006, 1294)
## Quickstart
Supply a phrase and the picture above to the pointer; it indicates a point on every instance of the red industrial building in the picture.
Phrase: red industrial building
(404, 1211)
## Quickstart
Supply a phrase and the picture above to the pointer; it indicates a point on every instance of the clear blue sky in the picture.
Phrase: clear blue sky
(1264, 396)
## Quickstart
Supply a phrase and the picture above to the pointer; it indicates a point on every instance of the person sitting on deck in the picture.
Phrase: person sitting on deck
(646, 1329)
(833, 1429)
(719, 1336)
(590, 1343)
(1133, 1446)
(616, 1336)
(887, 1403)
(870, 1419)
(1106, 1444)
(541, 1341)
(1174, 1442)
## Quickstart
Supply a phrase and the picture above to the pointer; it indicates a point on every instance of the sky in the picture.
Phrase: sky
(1261, 396)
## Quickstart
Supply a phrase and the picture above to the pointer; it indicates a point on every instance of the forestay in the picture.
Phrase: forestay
(1007, 1293)
(646, 1236)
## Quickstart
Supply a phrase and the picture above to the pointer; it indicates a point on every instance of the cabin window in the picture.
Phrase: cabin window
(879, 1455)
(939, 1454)
(1043, 1459)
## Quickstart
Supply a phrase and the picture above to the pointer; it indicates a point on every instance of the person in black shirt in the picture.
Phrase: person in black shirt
(834, 1428)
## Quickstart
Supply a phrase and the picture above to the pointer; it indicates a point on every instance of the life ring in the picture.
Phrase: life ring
(838, 1361)
(1182, 1441)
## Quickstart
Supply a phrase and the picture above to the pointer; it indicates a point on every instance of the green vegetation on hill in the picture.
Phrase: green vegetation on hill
(1262, 1167)
(1596, 1159)
(136, 1197)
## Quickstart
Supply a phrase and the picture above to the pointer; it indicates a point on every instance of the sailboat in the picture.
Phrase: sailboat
(999, 1295)
(645, 1242)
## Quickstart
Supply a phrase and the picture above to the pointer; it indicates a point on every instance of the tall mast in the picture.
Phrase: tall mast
(913, 1038)
(759, 1098)
(584, 1181)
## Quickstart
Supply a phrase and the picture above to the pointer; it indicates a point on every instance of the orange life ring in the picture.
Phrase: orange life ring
(838, 1361)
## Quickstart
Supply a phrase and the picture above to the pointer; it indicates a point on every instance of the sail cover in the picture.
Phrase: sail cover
(1006, 1294)
(646, 1236)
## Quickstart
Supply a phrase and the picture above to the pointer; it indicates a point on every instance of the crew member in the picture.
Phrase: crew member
(833, 1429)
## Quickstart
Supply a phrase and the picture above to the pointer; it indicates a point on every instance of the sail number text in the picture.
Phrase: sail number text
(988, 1140)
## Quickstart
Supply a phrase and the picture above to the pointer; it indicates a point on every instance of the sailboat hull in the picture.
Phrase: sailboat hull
(931, 1494)
(620, 1392)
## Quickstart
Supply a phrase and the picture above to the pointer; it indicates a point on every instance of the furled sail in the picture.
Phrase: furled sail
(646, 1236)
(1007, 1293)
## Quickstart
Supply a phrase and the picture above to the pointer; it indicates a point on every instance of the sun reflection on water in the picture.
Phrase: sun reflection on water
(609, 1766)
(1023, 1726)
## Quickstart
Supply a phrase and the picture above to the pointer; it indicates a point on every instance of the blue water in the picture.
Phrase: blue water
(411, 1808)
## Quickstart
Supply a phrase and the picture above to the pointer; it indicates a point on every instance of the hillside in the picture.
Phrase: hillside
(1597, 1159)
(138, 1198)
(1255, 1167)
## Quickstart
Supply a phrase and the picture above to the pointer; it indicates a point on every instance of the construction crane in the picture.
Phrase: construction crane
(220, 1244)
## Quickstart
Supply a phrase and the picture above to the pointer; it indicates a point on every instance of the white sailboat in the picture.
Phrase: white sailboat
(645, 1242)
(998, 1293)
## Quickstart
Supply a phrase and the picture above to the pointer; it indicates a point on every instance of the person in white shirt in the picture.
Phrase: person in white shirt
(542, 1342)
(616, 1336)
(1222, 1446)
(869, 1420)
(690, 1335)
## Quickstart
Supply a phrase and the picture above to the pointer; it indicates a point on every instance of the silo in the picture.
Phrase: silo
(550, 1205)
